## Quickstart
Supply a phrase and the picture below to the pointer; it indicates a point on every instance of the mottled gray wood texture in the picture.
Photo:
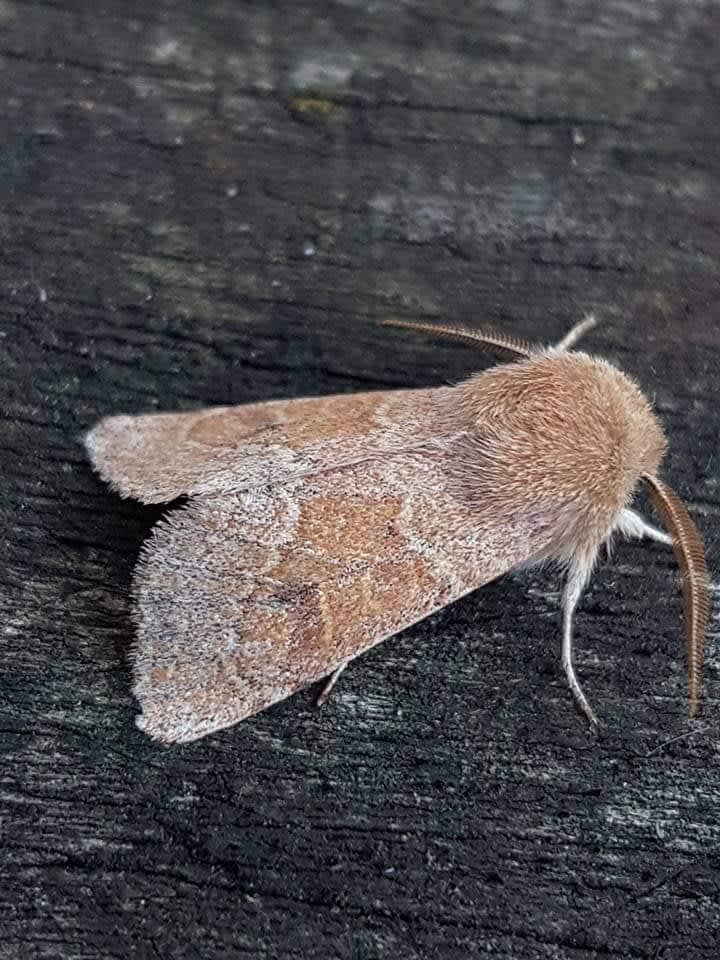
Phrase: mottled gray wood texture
(215, 202)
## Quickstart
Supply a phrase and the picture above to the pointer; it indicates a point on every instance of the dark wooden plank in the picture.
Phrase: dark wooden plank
(215, 203)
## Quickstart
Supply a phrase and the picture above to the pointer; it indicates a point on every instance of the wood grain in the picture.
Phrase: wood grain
(215, 203)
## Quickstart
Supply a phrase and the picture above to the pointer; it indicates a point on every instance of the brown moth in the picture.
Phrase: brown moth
(318, 527)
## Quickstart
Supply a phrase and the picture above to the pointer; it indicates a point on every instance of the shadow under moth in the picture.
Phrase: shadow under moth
(318, 527)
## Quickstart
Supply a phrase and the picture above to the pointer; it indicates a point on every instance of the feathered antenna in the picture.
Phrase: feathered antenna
(502, 342)
(690, 555)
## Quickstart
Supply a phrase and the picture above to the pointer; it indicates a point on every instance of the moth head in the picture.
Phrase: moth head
(565, 430)
(633, 427)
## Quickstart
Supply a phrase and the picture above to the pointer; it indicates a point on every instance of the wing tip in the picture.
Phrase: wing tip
(103, 445)
(99, 439)
(154, 729)
(156, 723)
(164, 718)
(114, 448)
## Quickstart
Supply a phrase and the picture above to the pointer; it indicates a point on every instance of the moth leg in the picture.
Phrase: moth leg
(329, 684)
(577, 331)
(577, 579)
(633, 526)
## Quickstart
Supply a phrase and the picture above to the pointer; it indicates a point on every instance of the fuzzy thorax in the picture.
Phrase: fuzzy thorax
(559, 440)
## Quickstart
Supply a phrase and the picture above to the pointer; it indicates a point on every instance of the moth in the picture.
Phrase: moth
(318, 527)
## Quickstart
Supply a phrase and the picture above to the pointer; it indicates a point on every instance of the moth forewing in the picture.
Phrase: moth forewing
(247, 597)
(156, 458)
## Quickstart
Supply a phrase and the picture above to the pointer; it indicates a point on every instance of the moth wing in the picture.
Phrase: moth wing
(244, 599)
(158, 457)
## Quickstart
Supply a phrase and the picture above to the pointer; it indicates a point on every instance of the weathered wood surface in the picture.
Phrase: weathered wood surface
(214, 203)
